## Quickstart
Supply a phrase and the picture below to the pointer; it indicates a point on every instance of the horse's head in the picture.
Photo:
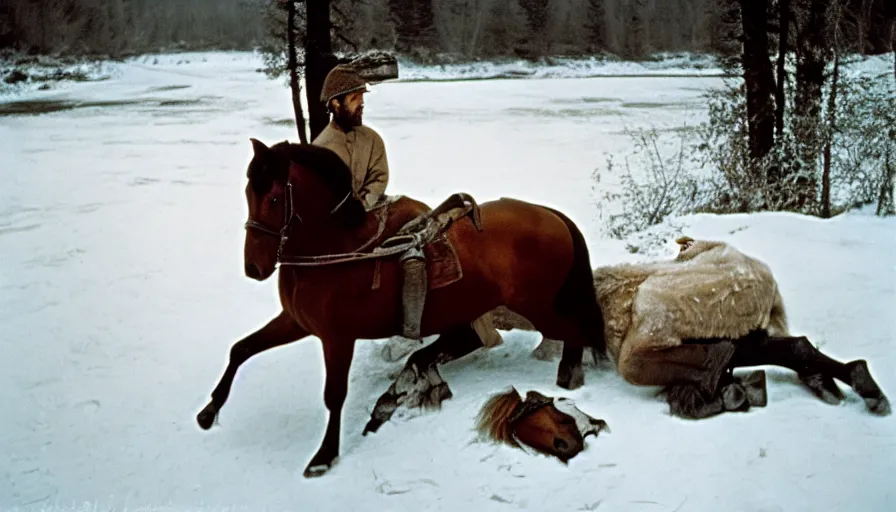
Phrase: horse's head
(292, 186)
(552, 426)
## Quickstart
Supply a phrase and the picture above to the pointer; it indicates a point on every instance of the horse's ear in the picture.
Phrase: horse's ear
(258, 146)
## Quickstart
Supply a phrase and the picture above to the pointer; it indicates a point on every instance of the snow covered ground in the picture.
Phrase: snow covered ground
(662, 64)
(121, 292)
(36, 72)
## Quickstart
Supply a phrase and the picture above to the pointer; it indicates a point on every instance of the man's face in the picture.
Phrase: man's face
(350, 110)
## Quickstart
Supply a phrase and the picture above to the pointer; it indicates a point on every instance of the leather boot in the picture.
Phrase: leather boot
(413, 297)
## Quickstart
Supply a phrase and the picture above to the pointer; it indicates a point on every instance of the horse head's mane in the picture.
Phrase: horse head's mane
(492, 420)
(323, 163)
(273, 164)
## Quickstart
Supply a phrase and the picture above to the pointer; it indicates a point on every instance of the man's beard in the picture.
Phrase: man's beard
(347, 120)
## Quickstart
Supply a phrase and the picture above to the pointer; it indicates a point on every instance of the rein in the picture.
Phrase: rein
(397, 245)
(356, 255)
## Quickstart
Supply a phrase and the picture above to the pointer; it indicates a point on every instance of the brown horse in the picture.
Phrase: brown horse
(550, 426)
(302, 214)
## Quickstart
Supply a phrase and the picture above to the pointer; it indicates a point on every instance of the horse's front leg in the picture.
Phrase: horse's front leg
(281, 330)
(337, 360)
(419, 383)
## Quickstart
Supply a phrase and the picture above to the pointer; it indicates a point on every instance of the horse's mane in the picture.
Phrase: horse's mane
(492, 420)
(324, 163)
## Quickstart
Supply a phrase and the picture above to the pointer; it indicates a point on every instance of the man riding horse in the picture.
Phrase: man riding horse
(363, 151)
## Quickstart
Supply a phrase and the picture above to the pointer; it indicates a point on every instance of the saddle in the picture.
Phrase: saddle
(427, 234)
(430, 225)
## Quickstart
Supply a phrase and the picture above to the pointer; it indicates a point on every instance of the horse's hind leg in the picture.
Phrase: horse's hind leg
(419, 383)
(814, 368)
(570, 374)
(695, 376)
(543, 319)
(279, 331)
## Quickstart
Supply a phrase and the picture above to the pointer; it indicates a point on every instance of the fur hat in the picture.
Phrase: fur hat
(342, 79)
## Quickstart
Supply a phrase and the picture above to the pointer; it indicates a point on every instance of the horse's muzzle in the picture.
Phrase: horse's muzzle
(253, 272)
(566, 449)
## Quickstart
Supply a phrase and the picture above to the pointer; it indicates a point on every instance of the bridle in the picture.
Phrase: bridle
(585, 424)
(528, 407)
(289, 215)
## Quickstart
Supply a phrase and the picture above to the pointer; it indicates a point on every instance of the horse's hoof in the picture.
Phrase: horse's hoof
(879, 406)
(867, 388)
(316, 470)
(734, 398)
(823, 387)
(372, 426)
(571, 378)
(206, 417)
(438, 394)
(754, 386)
(318, 466)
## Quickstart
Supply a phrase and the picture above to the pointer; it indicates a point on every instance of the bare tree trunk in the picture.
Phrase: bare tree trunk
(832, 118)
(596, 24)
(780, 97)
(293, 65)
(775, 172)
(319, 60)
(885, 200)
(832, 113)
(813, 52)
(867, 26)
(634, 40)
(758, 78)
(886, 203)
(415, 29)
(474, 38)
(537, 12)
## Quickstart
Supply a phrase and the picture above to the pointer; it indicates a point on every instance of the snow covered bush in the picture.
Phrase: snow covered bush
(652, 183)
(709, 169)
(864, 144)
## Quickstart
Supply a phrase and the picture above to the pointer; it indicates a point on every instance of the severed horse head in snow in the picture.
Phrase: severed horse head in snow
(549, 425)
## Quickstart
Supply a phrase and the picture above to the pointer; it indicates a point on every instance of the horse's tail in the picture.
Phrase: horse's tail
(577, 297)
